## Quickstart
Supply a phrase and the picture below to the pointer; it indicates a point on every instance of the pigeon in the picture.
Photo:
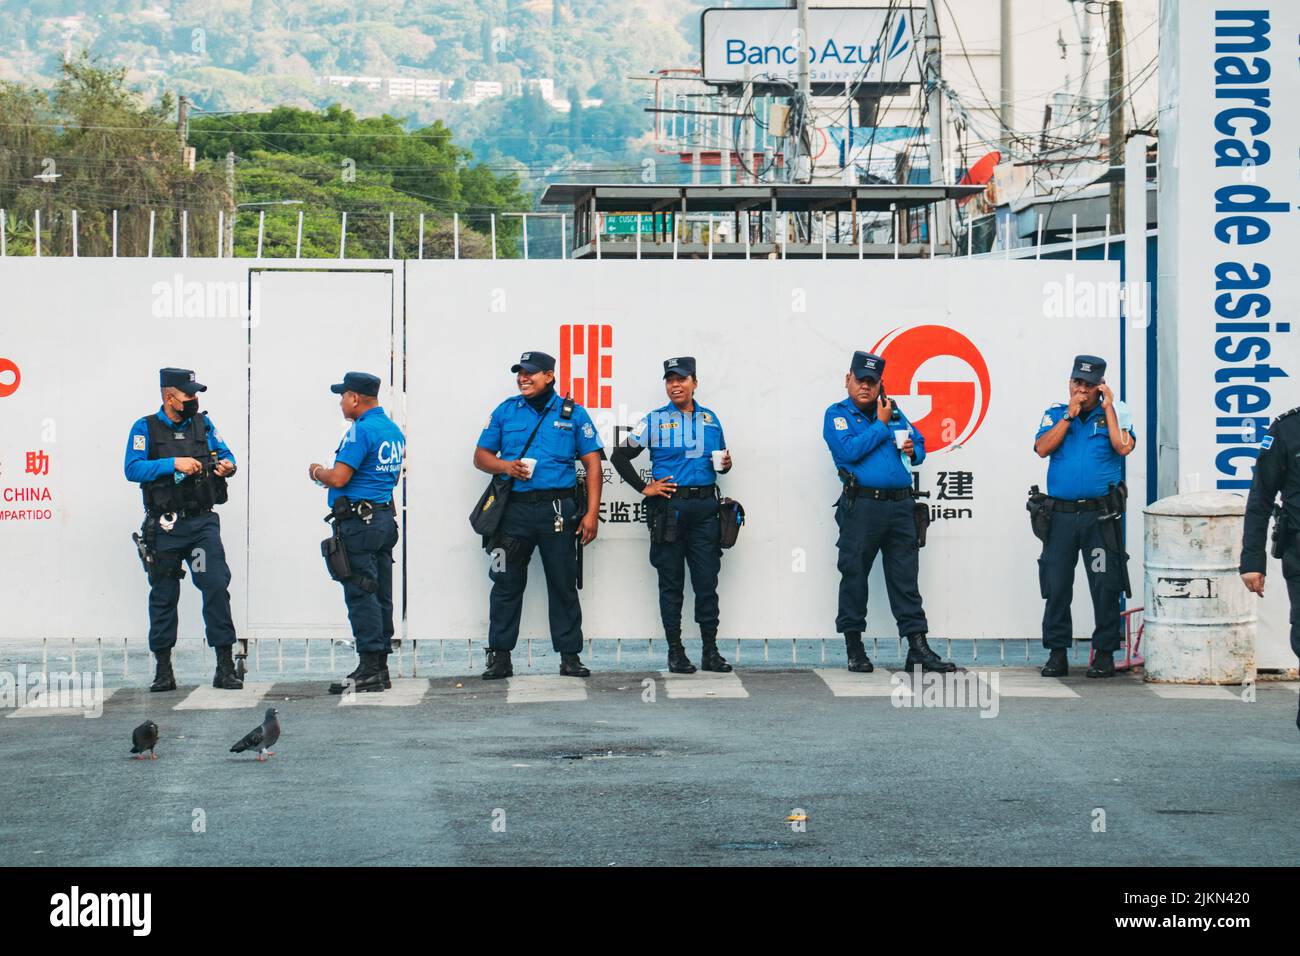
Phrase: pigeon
(145, 737)
(261, 738)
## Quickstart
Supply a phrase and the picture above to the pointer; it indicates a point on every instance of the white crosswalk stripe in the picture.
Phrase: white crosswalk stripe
(1193, 692)
(1025, 682)
(544, 689)
(46, 705)
(212, 698)
(703, 685)
(845, 683)
(405, 692)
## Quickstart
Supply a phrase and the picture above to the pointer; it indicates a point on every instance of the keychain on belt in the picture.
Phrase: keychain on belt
(559, 517)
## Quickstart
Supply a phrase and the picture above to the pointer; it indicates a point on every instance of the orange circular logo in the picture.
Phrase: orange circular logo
(7, 388)
(940, 364)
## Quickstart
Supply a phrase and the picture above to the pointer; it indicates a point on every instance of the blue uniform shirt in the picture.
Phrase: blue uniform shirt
(557, 445)
(865, 446)
(374, 447)
(1085, 463)
(137, 465)
(680, 445)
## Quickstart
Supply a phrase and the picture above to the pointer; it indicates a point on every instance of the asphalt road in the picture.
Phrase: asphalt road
(455, 770)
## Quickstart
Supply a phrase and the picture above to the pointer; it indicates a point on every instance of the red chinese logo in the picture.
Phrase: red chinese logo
(942, 379)
(8, 388)
(586, 365)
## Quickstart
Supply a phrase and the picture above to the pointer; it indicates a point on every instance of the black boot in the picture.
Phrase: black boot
(1103, 665)
(571, 666)
(678, 662)
(859, 662)
(369, 676)
(225, 678)
(498, 665)
(383, 668)
(163, 678)
(919, 653)
(1058, 665)
(710, 659)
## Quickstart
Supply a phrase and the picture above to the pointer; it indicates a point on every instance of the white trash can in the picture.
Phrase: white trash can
(1199, 620)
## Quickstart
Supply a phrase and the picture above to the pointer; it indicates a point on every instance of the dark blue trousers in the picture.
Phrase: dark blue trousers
(196, 541)
(867, 528)
(1072, 534)
(1291, 571)
(370, 553)
(529, 525)
(697, 547)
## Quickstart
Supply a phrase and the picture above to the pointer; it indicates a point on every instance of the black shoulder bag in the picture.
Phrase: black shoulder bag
(485, 519)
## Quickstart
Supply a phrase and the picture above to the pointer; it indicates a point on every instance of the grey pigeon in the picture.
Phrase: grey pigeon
(145, 737)
(262, 738)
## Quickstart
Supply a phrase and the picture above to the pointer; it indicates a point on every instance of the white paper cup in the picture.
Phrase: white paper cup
(530, 464)
(718, 463)
(900, 438)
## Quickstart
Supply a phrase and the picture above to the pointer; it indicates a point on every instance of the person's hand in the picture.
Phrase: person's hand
(1107, 396)
(664, 488)
(1076, 406)
(726, 460)
(1254, 581)
(517, 470)
(884, 409)
(588, 527)
(225, 468)
(909, 448)
(188, 466)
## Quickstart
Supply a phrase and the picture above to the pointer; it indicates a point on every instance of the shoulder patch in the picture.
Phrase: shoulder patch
(841, 424)
(1267, 443)
(1046, 422)
(588, 431)
(137, 443)
(708, 419)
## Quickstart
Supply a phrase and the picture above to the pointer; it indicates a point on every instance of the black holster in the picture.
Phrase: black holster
(661, 516)
(1040, 514)
(920, 515)
(1282, 532)
(335, 551)
(158, 565)
(849, 481)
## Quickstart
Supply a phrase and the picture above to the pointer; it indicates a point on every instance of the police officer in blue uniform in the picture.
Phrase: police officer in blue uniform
(181, 464)
(1277, 472)
(875, 512)
(1086, 441)
(682, 508)
(367, 466)
(542, 511)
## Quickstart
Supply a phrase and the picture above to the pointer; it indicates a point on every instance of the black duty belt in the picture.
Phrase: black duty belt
(181, 513)
(1078, 504)
(363, 508)
(696, 491)
(877, 494)
(545, 494)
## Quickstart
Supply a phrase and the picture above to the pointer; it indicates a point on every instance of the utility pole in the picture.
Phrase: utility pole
(803, 102)
(230, 203)
(1115, 105)
(183, 124)
(934, 111)
(1007, 76)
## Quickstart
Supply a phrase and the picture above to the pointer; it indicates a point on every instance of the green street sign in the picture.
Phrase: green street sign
(629, 224)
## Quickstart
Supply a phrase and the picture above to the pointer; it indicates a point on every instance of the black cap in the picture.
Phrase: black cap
(867, 365)
(363, 383)
(182, 378)
(1090, 368)
(679, 366)
(534, 362)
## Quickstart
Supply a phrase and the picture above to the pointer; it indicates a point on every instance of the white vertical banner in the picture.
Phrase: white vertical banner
(1229, 292)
